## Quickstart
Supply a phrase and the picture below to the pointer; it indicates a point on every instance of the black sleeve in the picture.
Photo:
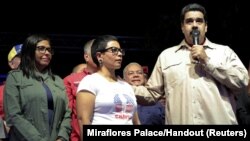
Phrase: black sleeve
(243, 108)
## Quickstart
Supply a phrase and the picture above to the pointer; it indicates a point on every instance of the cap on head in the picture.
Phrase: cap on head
(14, 51)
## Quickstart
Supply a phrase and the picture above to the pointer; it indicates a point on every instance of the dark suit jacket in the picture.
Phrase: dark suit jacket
(243, 108)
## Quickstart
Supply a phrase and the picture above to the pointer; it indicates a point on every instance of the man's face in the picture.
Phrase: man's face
(14, 63)
(194, 19)
(134, 75)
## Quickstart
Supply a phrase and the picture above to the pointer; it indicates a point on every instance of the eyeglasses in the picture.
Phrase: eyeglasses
(114, 50)
(135, 72)
(43, 49)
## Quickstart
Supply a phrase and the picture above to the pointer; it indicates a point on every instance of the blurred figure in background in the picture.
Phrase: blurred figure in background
(71, 83)
(14, 60)
(148, 115)
(243, 104)
(79, 68)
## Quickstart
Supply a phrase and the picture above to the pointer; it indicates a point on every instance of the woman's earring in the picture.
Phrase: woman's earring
(100, 62)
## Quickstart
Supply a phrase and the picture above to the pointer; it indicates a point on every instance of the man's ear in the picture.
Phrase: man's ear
(86, 57)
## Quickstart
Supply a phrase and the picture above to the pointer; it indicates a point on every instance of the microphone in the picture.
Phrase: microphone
(195, 34)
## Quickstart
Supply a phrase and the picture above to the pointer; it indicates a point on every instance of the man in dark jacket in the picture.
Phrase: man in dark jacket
(243, 104)
(243, 108)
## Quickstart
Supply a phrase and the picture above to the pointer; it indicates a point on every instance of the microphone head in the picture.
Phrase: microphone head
(195, 34)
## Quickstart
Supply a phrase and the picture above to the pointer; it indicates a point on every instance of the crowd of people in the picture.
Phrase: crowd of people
(196, 82)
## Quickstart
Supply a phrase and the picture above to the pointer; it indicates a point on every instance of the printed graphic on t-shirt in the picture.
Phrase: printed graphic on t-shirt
(129, 104)
(118, 103)
(124, 106)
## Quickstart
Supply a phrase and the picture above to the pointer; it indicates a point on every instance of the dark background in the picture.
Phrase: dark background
(143, 28)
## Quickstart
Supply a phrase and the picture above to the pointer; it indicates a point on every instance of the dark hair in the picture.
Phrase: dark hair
(28, 65)
(99, 44)
(193, 7)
